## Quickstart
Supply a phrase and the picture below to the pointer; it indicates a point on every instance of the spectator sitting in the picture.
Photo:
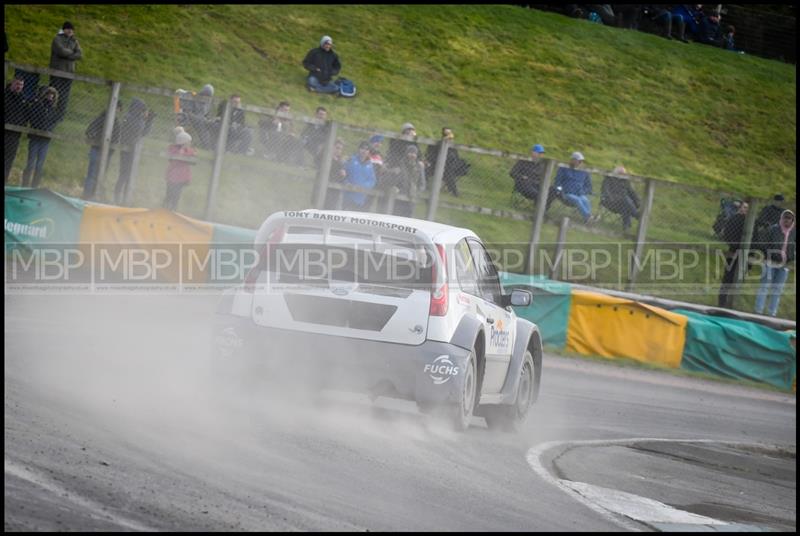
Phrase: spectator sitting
(239, 134)
(710, 32)
(454, 166)
(316, 134)
(528, 175)
(278, 137)
(617, 195)
(660, 15)
(64, 52)
(94, 136)
(43, 116)
(15, 110)
(782, 239)
(691, 15)
(574, 185)
(361, 173)
(179, 169)
(732, 234)
(322, 65)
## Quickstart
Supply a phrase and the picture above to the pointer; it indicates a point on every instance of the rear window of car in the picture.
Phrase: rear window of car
(380, 264)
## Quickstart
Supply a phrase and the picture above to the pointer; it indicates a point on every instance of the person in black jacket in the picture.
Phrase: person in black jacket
(528, 175)
(454, 166)
(43, 116)
(617, 195)
(94, 137)
(732, 234)
(15, 110)
(322, 65)
(134, 127)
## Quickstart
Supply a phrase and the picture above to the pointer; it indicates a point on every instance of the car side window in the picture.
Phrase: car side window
(465, 269)
(488, 280)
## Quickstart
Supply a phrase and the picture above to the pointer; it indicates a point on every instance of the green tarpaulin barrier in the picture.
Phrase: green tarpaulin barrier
(39, 216)
(550, 306)
(738, 349)
(233, 252)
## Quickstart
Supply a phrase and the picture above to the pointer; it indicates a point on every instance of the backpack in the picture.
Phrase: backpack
(346, 87)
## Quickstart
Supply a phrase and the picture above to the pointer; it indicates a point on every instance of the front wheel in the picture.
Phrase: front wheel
(462, 412)
(510, 417)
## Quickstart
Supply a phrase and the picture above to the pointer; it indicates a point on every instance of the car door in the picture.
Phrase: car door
(498, 322)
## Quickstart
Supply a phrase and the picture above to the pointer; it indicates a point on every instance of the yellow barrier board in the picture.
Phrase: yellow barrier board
(611, 327)
(169, 246)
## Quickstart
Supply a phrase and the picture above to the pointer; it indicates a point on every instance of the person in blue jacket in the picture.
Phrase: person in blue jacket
(574, 186)
(361, 173)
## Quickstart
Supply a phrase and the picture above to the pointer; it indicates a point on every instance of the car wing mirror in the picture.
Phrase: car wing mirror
(518, 298)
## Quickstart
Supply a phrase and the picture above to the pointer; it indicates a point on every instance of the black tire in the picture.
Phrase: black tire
(509, 418)
(461, 414)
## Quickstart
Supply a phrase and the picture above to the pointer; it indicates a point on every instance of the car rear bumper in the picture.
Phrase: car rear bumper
(431, 372)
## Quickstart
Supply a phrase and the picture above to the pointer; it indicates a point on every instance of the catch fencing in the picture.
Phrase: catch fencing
(607, 229)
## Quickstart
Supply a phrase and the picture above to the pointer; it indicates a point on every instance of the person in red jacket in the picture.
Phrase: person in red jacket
(179, 169)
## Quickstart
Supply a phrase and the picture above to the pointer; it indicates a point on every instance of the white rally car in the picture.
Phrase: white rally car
(387, 305)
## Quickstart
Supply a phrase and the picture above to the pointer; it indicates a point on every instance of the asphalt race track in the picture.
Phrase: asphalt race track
(113, 421)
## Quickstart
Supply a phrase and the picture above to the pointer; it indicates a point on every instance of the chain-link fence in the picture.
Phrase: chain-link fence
(219, 159)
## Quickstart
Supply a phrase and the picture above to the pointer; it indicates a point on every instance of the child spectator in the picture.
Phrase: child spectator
(322, 65)
(179, 169)
(43, 116)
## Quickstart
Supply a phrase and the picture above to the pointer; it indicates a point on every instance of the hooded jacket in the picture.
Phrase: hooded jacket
(64, 52)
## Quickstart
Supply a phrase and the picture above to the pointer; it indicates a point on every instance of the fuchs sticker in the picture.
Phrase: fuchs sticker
(441, 370)
(228, 342)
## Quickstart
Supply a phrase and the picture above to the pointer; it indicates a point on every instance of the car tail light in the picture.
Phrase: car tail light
(439, 291)
(274, 237)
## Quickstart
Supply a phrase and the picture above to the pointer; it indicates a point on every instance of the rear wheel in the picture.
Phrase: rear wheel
(510, 417)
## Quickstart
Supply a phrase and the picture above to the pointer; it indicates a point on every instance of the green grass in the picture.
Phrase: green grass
(500, 76)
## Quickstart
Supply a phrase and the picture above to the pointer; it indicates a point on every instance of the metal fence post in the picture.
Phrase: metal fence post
(108, 130)
(390, 199)
(538, 219)
(129, 187)
(319, 194)
(641, 234)
(562, 238)
(222, 145)
(438, 173)
(744, 253)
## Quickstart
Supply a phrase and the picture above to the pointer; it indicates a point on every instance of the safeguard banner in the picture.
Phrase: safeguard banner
(34, 216)
(134, 245)
(616, 327)
(739, 349)
(549, 308)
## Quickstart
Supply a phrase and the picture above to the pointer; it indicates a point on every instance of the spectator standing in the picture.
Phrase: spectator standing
(239, 134)
(43, 116)
(94, 136)
(782, 239)
(665, 19)
(361, 173)
(767, 217)
(528, 174)
(408, 179)
(337, 174)
(278, 137)
(728, 42)
(396, 154)
(575, 185)
(315, 135)
(134, 127)
(179, 169)
(195, 113)
(692, 16)
(627, 15)
(15, 111)
(454, 166)
(617, 195)
(732, 233)
(64, 52)
(375, 156)
(322, 64)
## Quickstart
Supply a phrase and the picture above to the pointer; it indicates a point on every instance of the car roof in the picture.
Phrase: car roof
(434, 230)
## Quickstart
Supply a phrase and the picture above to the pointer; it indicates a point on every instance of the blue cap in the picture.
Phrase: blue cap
(375, 138)
(538, 148)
